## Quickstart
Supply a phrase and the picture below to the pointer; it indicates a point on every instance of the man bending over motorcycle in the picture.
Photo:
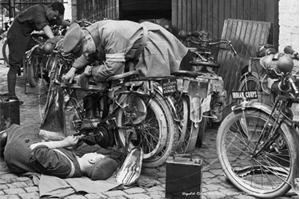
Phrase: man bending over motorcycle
(25, 152)
(122, 46)
(36, 18)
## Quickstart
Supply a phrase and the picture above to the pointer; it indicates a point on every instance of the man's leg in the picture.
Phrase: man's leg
(11, 81)
(18, 45)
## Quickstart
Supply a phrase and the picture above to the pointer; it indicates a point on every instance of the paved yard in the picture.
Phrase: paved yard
(214, 183)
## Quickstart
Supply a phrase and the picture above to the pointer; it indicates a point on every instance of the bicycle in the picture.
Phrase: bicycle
(257, 144)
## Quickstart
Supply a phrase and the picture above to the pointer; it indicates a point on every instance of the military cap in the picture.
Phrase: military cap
(72, 37)
(103, 169)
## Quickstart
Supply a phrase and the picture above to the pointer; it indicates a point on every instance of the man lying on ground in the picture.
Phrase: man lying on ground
(25, 152)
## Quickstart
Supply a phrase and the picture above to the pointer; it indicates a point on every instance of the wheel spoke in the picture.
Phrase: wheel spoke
(266, 173)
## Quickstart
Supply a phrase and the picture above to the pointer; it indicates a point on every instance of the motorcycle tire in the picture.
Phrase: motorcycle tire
(265, 175)
(189, 130)
(249, 83)
(52, 66)
(32, 72)
(157, 135)
(201, 132)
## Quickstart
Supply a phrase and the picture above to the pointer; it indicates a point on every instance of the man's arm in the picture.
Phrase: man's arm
(79, 63)
(47, 30)
(68, 141)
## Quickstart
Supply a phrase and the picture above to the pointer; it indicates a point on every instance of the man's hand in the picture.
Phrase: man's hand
(72, 140)
(69, 77)
(88, 70)
(68, 141)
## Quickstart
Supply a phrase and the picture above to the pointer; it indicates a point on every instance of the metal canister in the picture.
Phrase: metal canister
(10, 111)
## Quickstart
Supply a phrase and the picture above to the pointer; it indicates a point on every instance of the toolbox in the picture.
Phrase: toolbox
(183, 177)
(9, 111)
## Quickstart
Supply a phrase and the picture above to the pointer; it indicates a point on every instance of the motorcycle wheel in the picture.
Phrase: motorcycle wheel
(249, 83)
(266, 175)
(51, 66)
(32, 72)
(189, 130)
(202, 130)
(157, 134)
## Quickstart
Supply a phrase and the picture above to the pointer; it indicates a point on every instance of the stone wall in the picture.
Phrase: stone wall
(289, 24)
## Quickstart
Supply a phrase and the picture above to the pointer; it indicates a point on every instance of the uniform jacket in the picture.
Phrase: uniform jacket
(117, 42)
(21, 159)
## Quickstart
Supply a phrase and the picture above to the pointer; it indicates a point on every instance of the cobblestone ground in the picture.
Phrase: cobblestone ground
(214, 183)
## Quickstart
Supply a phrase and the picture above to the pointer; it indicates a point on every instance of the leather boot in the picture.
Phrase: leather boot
(3, 141)
(11, 86)
(11, 82)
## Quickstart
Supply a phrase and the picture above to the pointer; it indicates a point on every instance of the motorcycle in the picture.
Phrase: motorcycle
(124, 112)
(258, 143)
(161, 115)
(212, 101)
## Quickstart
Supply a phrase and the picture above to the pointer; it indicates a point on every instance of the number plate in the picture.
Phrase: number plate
(169, 86)
(244, 94)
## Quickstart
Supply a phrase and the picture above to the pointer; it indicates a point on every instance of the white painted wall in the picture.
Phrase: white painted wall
(289, 24)
(68, 9)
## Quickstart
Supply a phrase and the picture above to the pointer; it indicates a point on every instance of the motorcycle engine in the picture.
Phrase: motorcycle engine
(95, 131)
(104, 135)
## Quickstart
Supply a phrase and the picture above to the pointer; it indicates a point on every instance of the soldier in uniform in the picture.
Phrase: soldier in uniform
(25, 152)
(121, 46)
(35, 18)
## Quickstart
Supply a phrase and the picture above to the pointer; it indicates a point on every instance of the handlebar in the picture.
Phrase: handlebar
(202, 37)
(224, 41)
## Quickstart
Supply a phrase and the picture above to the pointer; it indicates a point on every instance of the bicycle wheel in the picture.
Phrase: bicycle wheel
(5, 52)
(156, 132)
(267, 174)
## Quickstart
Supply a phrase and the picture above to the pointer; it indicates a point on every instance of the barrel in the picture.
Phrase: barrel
(9, 112)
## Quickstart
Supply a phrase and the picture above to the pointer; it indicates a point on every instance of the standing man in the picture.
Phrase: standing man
(121, 46)
(35, 18)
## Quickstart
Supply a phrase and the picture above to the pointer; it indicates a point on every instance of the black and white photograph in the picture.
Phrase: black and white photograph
(149, 99)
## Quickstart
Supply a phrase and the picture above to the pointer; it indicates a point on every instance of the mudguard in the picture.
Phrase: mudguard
(253, 105)
(131, 169)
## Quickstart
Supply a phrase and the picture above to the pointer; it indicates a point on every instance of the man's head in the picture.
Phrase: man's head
(98, 167)
(78, 41)
(55, 11)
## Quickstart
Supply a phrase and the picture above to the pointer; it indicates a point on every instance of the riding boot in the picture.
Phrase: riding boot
(11, 85)
(3, 140)
(11, 82)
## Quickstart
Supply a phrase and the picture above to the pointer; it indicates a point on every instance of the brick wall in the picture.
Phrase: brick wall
(289, 24)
